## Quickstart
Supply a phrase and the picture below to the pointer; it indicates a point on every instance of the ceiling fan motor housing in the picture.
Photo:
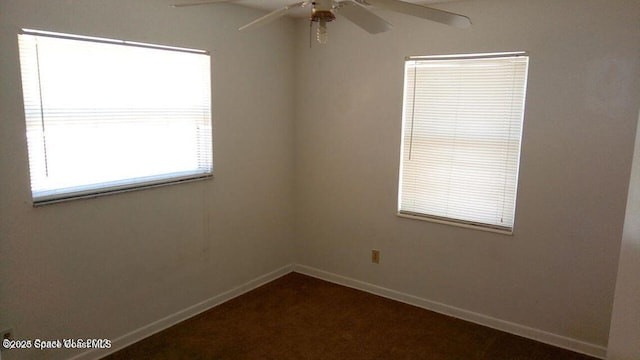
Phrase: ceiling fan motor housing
(322, 11)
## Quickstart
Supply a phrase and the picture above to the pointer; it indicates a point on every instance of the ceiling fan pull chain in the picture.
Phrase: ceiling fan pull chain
(310, 36)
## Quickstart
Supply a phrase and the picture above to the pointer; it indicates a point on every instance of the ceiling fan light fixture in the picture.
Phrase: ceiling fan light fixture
(322, 13)
(322, 35)
(322, 17)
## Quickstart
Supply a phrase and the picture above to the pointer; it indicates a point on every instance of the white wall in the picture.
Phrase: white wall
(102, 268)
(555, 276)
(624, 336)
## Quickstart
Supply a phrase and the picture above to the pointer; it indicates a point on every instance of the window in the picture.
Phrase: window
(105, 115)
(462, 125)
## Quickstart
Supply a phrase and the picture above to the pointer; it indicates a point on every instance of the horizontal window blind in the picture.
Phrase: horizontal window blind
(106, 115)
(462, 125)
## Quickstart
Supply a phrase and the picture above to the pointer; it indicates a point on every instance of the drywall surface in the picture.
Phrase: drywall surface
(104, 267)
(624, 337)
(557, 273)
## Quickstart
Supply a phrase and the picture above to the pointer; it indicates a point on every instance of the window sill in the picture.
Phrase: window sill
(457, 224)
(98, 192)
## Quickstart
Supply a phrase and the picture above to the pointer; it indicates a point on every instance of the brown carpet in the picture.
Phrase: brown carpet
(300, 317)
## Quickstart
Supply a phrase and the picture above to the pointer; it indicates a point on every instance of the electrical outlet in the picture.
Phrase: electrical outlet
(375, 256)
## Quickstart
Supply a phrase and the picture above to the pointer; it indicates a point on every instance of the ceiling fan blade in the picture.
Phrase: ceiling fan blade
(272, 15)
(203, 2)
(362, 17)
(441, 16)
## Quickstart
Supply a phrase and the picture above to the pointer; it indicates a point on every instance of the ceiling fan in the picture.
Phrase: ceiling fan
(356, 11)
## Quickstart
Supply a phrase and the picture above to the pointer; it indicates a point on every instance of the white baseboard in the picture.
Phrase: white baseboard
(498, 324)
(168, 321)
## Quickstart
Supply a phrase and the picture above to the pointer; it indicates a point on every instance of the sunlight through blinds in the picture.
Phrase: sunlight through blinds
(106, 115)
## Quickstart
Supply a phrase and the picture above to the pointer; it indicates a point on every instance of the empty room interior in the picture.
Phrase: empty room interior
(307, 144)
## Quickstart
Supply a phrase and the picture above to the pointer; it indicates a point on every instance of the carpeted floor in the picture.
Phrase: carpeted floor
(300, 317)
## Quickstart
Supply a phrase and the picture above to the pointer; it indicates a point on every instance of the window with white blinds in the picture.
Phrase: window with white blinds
(462, 126)
(105, 115)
